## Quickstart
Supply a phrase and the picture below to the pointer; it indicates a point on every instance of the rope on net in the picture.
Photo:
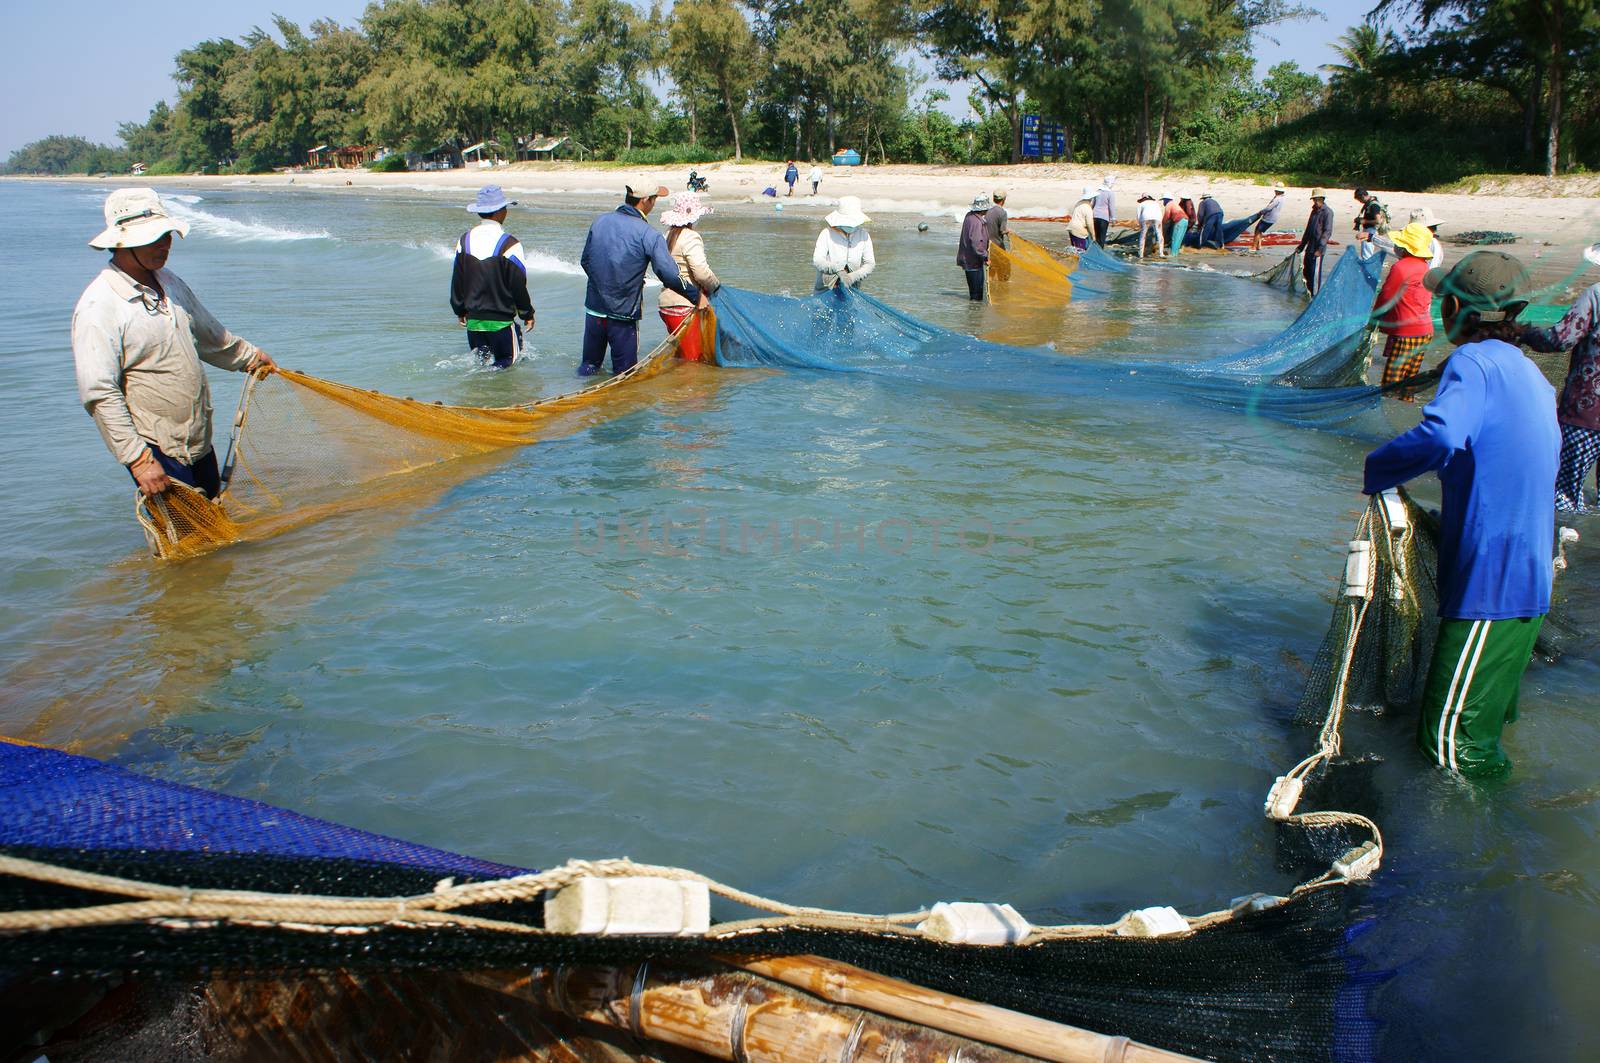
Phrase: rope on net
(184, 907)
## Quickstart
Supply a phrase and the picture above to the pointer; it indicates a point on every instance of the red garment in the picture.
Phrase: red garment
(1404, 302)
(1173, 214)
(689, 347)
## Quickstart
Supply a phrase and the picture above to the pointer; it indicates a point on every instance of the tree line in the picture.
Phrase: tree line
(1470, 86)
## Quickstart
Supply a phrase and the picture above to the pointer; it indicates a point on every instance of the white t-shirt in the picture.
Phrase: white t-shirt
(1150, 210)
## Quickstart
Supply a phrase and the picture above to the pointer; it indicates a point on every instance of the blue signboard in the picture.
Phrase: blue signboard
(1042, 137)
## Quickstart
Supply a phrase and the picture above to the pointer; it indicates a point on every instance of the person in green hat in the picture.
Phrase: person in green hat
(1490, 434)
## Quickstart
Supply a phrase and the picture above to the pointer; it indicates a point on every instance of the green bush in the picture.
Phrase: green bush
(670, 154)
(1399, 151)
(391, 163)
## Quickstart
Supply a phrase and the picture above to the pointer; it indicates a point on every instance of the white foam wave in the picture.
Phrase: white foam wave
(233, 229)
(184, 197)
(538, 261)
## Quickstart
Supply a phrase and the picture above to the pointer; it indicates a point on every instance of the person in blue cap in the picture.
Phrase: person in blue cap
(618, 248)
(489, 284)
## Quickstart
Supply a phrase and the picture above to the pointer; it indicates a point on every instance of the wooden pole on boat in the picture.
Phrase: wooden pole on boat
(735, 1015)
(845, 984)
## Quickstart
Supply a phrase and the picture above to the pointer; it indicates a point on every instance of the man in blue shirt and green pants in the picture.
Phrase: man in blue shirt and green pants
(1491, 435)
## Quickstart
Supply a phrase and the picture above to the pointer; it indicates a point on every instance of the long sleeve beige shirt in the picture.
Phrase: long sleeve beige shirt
(138, 362)
(1081, 224)
(689, 251)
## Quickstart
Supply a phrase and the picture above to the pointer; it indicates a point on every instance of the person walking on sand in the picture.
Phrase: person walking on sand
(689, 252)
(1269, 215)
(1080, 226)
(489, 282)
(1403, 307)
(1490, 434)
(1314, 241)
(139, 335)
(815, 177)
(1150, 214)
(790, 175)
(1579, 407)
(1369, 219)
(615, 253)
(972, 250)
(843, 255)
(1105, 209)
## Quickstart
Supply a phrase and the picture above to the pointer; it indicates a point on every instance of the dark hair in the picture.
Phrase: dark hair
(491, 214)
(1468, 329)
(1362, 193)
(632, 200)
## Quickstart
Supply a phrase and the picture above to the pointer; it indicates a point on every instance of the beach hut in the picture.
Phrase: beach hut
(483, 154)
(318, 157)
(540, 148)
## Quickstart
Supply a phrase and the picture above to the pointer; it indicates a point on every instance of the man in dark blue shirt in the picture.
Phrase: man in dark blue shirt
(618, 248)
(1491, 435)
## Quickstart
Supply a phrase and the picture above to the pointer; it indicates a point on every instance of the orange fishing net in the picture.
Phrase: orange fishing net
(305, 448)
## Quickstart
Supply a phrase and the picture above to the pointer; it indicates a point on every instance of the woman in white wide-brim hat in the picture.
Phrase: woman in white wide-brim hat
(689, 252)
(844, 249)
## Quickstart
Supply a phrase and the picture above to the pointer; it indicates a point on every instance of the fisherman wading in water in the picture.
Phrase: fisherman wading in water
(489, 284)
(138, 338)
(1490, 433)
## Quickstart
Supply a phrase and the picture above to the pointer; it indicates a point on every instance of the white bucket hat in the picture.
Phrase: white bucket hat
(1090, 191)
(848, 213)
(1279, 186)
(1425, 216)
(686, 209)
(980, 202)
(136, 217)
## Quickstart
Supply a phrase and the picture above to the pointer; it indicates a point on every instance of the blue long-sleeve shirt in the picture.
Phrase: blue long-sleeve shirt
(618, 248)
(1491, 435)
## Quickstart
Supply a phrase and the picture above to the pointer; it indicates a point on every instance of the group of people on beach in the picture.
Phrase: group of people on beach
(1501, 442)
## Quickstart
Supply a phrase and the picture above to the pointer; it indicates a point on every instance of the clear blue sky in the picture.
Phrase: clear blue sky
(85, 66)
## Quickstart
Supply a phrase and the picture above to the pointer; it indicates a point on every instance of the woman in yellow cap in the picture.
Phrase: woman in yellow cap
(1404, 306)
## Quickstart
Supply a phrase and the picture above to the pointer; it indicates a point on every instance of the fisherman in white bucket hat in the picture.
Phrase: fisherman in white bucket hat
(1080, 226)
(138, 337)
(489, 282)
(843, 254)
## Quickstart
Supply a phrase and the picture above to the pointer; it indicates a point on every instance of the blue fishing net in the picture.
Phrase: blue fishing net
(1096, 259)
(1319, 347)
(54, 800)
(1302, 377)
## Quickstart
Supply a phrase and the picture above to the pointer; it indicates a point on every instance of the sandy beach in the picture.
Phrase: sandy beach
(1551, 217)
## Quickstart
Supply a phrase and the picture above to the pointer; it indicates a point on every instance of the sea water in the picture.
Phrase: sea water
(842, 640)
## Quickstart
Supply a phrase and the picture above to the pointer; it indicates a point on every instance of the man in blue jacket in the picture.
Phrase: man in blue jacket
(1491, 435)
(619, 246)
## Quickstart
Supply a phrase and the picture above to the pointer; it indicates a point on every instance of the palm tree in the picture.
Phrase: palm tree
(1365, 50)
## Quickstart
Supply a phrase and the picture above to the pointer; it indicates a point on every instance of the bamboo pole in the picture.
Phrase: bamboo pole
(735, 1015)
(845, 984)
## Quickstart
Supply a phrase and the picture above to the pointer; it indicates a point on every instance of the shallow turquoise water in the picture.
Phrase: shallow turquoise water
(1079, 718)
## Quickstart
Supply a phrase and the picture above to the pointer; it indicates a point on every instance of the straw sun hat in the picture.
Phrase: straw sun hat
(136, 217)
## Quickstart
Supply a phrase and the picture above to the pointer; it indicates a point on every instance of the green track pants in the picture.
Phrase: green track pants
(1471, 692)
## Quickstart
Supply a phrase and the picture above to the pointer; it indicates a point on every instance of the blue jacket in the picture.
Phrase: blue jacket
(1490, 433)
(614, 256)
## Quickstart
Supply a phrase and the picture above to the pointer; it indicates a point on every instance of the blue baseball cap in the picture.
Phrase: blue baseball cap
(490, 199)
